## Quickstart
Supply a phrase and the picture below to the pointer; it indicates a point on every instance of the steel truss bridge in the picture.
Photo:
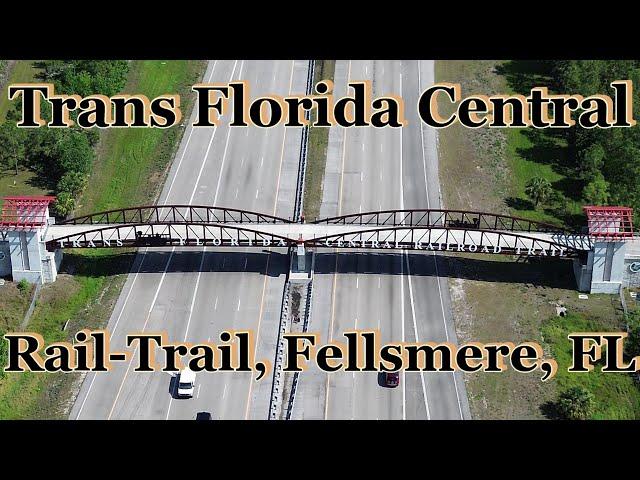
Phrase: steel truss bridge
(423, 229)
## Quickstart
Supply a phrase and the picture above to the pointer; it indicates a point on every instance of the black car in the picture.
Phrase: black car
(203, 416)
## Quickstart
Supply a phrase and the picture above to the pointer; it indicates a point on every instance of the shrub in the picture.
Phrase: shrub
(65, 203)
(577, 403)
(23, 286)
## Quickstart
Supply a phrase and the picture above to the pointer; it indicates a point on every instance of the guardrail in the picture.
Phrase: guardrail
(277, 386)
(305, 326)
(304, 143)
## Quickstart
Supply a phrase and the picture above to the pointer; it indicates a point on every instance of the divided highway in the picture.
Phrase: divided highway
(194, 295)
(400, 294)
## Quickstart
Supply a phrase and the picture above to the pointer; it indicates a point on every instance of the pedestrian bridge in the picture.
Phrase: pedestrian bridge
(430, 230)
(32, 242)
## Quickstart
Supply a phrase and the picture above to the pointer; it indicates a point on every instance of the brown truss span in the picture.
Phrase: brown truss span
(168, 234)
(159, 240)
(572, 250)
(444, 218)
(174, 214)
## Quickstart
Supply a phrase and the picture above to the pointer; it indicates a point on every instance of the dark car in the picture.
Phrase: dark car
(392, 379)
(203, 416)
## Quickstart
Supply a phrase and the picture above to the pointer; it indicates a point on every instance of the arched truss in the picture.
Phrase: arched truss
(167, 235)
(443, 218)
(174, 214)
(456, 240)
(405, 238)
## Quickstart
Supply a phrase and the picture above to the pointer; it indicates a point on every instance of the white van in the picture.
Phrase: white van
(186, 383)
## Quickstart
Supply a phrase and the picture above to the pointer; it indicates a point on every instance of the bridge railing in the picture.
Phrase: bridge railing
(443, 218)
(454, 239)
(177, 214)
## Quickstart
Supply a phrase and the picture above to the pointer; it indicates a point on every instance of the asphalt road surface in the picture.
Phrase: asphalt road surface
(195, 294)
(403, 295)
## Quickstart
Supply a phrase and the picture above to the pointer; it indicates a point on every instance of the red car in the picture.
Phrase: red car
(392, 379)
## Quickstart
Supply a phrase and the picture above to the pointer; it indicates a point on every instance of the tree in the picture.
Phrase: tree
(12, 145)
(73, 183)
(596, 192)
(577, 403)
(74, 154)
(65, 204)
(592, 161)
(538, 189)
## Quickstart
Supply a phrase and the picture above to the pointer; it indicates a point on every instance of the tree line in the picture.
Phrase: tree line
(63, 158)
(606, 161)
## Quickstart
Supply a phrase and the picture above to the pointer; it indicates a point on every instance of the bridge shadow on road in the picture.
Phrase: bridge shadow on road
(556, 273)
(155, 261)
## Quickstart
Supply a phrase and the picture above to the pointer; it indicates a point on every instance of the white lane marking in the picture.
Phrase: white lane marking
(257, 191)
(135, 350)
(261, 160)
(169, 261)
(146, 250)
(335, 275)
(360, 209)
(186, 145)
(363, 147)
(236, 193)
(238, 309)
(224, 391)
(435, 262)
(198, 394)
(380, 147)
(215, 306)
(379, 282)
(245, 264)
(361, 177)
(266, 270)
(404, 383)
(404, 388)
(195, 291)
(415, 332)
(357, 282)
(242, 162)
(224, 156)
(84, 400)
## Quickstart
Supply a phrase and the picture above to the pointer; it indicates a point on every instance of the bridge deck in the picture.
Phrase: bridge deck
(349, 236)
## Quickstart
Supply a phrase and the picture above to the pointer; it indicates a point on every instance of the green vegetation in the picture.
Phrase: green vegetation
(132, 163)
(584, 166)
(129, 168)
(55, 154)
(23, 286)
(615, 395)
(25, 182)
(317, 151)
(633, 341)
(488, 170)
(577, 403)
(14, 304)
(21, 71)
(609, 158)
(539, 190)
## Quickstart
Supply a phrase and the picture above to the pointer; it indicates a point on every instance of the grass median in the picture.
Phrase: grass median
(130, 168)
(317, 151)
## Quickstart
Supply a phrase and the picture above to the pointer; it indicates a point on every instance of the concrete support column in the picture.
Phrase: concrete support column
(606, 262)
